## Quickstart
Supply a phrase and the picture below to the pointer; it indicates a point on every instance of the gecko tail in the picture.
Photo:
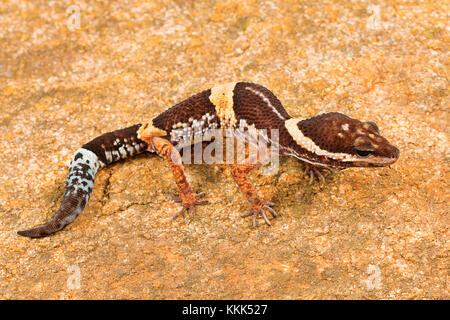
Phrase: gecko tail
(71, 206)
(100, 152)
(79, 185)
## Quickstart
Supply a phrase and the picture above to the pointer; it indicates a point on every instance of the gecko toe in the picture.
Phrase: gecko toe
(174, 197)
(188, 206)
(315, 173)
(261, 210)
(179, 213)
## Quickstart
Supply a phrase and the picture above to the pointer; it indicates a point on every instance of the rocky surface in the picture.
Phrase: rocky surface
(368, 234)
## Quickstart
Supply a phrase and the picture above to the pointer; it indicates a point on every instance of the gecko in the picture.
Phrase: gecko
(330, 141)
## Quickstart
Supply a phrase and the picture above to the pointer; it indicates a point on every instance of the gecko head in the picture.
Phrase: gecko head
(338, 141)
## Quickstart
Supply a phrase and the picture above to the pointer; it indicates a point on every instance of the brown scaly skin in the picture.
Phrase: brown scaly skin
(330, 141)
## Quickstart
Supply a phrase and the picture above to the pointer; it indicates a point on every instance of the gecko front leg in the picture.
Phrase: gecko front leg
(258, 207)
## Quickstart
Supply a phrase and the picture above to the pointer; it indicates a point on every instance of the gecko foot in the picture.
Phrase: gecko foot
(188, 204)
(314, 172)
(261, 211)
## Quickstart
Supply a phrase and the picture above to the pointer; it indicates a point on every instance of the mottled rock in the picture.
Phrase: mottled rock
(372, 234)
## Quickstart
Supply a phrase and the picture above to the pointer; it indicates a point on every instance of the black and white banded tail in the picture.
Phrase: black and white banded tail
(103, 150)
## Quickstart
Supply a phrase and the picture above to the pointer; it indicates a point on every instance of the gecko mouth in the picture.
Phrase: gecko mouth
(368, 162)
(378, 162)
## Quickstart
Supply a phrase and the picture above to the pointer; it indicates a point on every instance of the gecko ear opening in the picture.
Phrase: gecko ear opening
(374, 125)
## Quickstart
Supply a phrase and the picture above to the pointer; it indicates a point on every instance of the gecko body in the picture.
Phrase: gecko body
(326, 141)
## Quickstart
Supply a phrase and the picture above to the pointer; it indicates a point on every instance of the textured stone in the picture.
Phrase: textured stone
(129, 60)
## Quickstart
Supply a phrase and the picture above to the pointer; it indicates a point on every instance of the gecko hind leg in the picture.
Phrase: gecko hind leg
(165, 149)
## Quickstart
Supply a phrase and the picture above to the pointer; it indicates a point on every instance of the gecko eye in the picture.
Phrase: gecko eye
(363, 153)
(364, 149)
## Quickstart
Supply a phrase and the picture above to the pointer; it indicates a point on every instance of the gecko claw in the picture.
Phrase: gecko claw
(261, 211)
(314, 172)
(188, 205)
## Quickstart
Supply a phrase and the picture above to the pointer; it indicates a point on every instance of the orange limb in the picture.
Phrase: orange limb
(258, 207)
(187, 197)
